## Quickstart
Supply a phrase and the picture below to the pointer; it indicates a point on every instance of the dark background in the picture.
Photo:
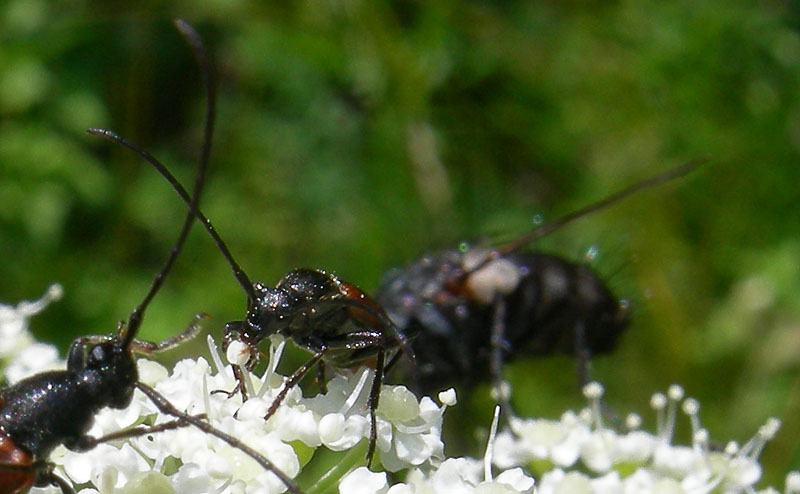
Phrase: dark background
(355, 136)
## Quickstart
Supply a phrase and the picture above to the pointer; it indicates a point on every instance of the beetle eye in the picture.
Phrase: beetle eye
(98, 353)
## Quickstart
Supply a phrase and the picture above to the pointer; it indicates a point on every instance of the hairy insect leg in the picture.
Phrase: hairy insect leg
(372, 403)
(168, 408)
(393, 361)
(238, 374)
(57, 481)
(88, 442)
(322, 381)
(499, 344)
(150, 348)
(582, 354)
(292, 382)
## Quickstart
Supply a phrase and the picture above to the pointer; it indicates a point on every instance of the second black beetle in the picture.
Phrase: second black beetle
(56, 408)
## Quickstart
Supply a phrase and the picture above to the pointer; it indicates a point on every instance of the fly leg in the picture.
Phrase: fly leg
(499, 344)
(583, 356)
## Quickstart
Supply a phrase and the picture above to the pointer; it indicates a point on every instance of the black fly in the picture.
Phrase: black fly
(58, 408)
(473, 308)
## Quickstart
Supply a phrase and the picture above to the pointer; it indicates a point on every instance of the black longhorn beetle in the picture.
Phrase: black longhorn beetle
(331, 318)
(335, 320)
(472, 308)
(54, 408)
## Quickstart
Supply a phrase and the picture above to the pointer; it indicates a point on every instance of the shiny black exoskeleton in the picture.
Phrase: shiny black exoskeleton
(473, 308)
(333, 319)
(319, 312)
(53, 408)
(56, 408)
(97, 376)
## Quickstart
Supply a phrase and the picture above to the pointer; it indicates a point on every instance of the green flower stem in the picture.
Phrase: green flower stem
(329, 481)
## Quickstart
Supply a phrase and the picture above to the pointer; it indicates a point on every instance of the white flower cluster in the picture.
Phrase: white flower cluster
(452, 476)
(187, 460)
(573, 455)
(20, 354)
(581, 456)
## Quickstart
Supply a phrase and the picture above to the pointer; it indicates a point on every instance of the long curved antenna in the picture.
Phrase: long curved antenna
(167, 408)
(557, 224)
(201, 57)
(238, 272)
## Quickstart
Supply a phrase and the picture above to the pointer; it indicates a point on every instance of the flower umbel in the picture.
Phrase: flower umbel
(576, 454)
(20, 355)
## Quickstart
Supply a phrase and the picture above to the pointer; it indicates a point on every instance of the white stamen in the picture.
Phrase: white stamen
(351, 400)
(448, 397)
(691, 407)
(674, 395)
(633, 421)
(487, 457)
(700, 439)
(53, 293)
(206, 397)
(594, 393)
(675, 392)
(215, 356)
(276, 347)
(658, 401)
(248, 381)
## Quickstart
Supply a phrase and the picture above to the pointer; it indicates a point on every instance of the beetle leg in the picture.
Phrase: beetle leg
(372, 403)
(392, 361)
(86, 443)
(238, 373)
(168, 408)
(150, 348)
(230, 394)
(292, 382)
(321, 378)
(46, 476)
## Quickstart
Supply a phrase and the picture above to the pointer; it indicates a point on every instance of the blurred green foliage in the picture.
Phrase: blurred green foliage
(356, 135)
